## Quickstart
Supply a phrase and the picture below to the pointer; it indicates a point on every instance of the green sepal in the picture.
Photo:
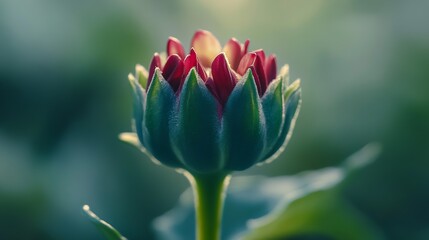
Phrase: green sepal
(159, 106)
(141, 75)
(292, 99)
(139, 98)
(243, 133)
(284, 76)
(132, 139)
(274, 112)
(109, 232)
(195, 129)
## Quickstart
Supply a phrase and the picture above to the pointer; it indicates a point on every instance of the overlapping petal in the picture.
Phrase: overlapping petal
(206, 46)
(271, 68)
(233, 51)
(254, 61)
(224, 78)
(211, 111)
(191, 61)
(155, 63)
(173, 71)
(174, 46)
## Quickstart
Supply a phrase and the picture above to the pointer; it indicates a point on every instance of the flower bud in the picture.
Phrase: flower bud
(212, 111)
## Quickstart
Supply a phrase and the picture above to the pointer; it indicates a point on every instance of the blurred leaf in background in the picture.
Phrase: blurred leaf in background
(307, 204)
(64, 98)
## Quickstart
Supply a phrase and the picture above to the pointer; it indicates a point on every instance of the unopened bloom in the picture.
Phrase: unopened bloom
(214, 109)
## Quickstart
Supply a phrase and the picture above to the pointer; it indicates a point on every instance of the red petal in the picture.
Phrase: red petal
(257, 80)
(173, 71)
(271, 68)
(245, 63)
(233, 52)
(253, 60)
(261, 54)
(155, 63)
(245, 46)
(206, 46)
(174, 46)
(224, 79)
(212, 88)
(259, 67)
(192, 61)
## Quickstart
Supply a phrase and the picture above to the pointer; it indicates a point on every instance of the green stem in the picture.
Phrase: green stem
(209, 194)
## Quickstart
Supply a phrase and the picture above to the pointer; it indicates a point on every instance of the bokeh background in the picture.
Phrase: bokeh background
(64, 98)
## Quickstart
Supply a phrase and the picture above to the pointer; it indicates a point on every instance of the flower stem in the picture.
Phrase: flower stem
(209, 194)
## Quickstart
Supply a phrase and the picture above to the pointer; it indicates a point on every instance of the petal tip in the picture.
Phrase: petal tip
(296, 85)
(139, 66)
(206, 46)
(141, 70)
(131, 77)
(174, 46)
(284, 70)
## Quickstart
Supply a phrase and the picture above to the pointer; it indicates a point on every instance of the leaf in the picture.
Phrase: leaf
(106, 229)
(195, 133)
(265, 199)
(320, 215)
(243, 133)
(274, 112)
(160, 100)
(292, 98)
(139, 98)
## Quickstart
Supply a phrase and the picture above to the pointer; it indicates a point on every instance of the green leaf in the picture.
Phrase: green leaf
(139, 98)
(249, 200)
(159, 106)
(274, 112)
(243, 133)
(292, 98)
(106, 229)
(195, 131)
(321, 215)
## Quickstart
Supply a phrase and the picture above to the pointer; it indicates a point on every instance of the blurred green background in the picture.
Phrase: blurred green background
(64, 98)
